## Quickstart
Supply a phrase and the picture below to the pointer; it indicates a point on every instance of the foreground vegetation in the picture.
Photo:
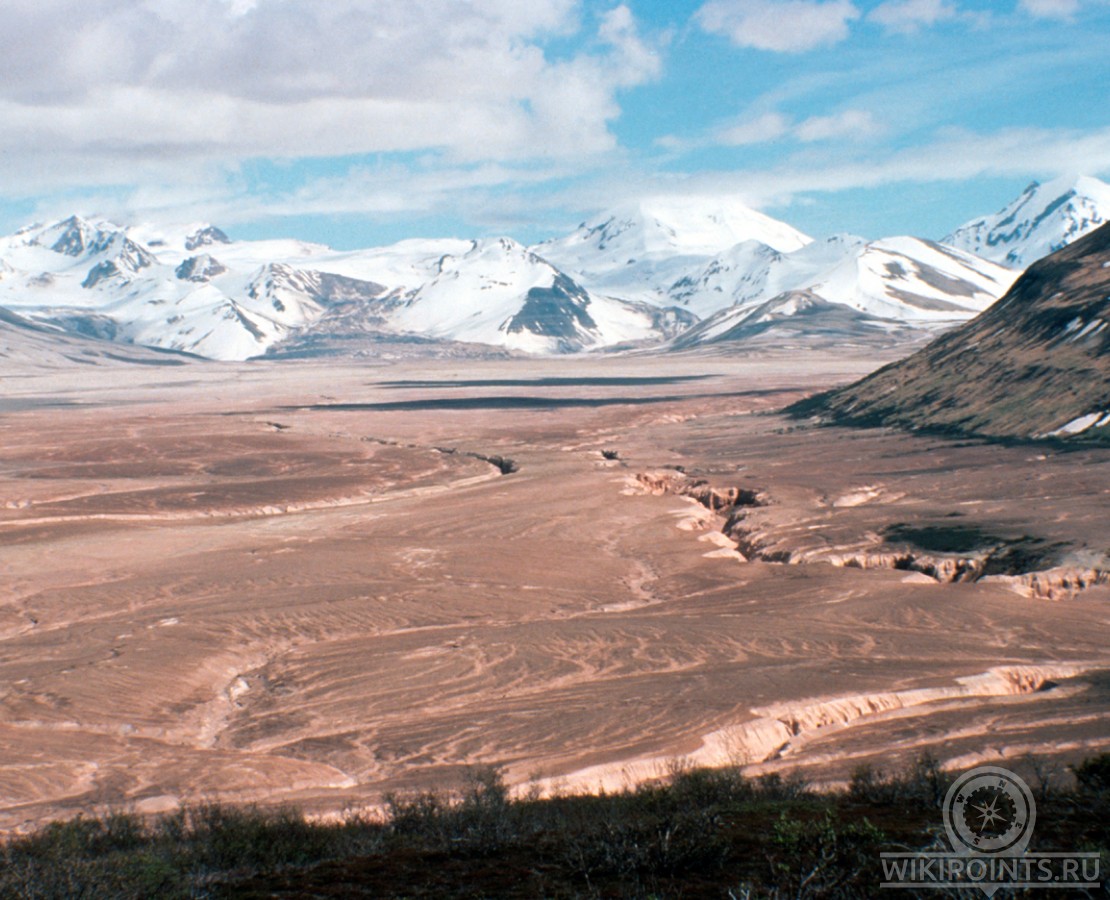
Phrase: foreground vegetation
(698, 833)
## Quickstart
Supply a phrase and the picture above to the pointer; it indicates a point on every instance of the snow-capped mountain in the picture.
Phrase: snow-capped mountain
(28, 345)
(1045, 218)
(883, 285)
(193, 289)
(720, 261)
(752, 272)
(95, 278)
(476, 296)
(913, 280)
(792, 318)
(637, 251)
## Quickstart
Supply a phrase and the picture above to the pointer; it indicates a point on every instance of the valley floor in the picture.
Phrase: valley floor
(315, 582)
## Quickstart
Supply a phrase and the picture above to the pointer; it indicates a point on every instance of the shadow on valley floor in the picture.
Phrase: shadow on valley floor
(629, 381)
(522, 402)
(23, 404)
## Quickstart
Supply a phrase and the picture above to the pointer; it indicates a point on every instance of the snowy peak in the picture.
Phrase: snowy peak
(689, 226)
(639, 274)
(124, 259)
(247, 298)
(697, 225)
(75, 237)
(299, 296)
(205, 237)
(1044, 219)
(500, 292)
(107, 246)
(558, 312)
(901, 278)
(845, 284)
(200, 268)
(752, 272)
(639, 250)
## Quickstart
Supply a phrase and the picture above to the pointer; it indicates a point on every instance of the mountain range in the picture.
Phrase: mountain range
(676, 272)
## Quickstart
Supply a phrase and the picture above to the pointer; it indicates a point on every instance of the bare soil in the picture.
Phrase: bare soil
(313, 583)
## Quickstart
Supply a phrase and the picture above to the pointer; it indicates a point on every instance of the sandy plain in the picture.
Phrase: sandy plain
(314, 582)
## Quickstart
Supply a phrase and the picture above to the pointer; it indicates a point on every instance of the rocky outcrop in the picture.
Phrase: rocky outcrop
(1059, 583)
(503, 464)
(715, 499)
(939, 568)
(780, 730)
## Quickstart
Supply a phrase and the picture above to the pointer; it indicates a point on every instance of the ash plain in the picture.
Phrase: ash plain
(313, 582)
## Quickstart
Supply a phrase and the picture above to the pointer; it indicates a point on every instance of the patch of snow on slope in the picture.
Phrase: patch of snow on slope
(1082, 423)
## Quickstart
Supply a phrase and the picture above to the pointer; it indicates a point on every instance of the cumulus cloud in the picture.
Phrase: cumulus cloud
(910, 15)
(785, 26)
(122, 84)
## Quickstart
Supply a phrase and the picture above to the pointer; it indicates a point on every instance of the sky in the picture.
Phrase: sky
(362, 122)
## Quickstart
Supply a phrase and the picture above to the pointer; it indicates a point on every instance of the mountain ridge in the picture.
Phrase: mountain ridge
(1036, 364)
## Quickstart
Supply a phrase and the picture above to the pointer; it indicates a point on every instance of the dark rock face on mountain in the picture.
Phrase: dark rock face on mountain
(206, 237)
(1035, 364)
(200, 268)
(128, 261)
(559, 311)
(74, 237)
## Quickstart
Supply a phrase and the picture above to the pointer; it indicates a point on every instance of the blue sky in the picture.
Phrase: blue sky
(359, 122)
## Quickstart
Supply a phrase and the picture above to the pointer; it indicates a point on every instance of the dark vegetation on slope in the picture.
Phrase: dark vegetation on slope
(698, 833)
(1034, 361)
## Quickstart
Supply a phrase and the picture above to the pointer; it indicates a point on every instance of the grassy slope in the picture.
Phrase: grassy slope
(1014, 371)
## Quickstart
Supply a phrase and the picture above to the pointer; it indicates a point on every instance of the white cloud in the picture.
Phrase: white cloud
(787, 26)
(635, 62)
(954, 155)
(91, 90)
(1051, 9)
(851, 124)
(767, 127)
(848, 125)
(910, 15)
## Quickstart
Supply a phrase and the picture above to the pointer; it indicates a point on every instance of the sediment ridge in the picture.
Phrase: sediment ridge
(1007, 562)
